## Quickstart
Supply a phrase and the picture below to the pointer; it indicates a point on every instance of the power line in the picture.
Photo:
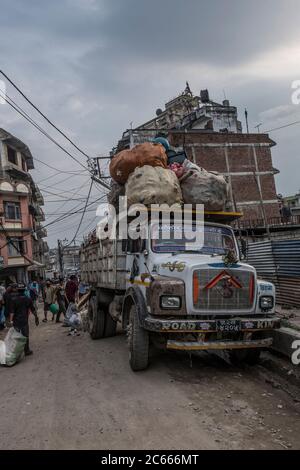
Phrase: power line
(69, 214)
(52, 167)
(43, 115)
(83, 214)
(75, 193)
(282, 127)
(23, 113)
(58, 195)
(72, 173)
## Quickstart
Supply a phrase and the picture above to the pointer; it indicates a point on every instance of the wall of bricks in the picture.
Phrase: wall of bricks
(245, 153)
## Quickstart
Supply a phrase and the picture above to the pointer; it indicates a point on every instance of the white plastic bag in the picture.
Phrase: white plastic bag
(72, 317)
(14, 346)
(2, 353)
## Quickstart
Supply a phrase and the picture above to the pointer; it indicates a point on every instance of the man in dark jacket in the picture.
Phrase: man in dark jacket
(20, 308)
(10, 294)
(72, 289)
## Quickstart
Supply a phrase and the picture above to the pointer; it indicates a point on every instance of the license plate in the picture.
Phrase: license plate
(228, 325)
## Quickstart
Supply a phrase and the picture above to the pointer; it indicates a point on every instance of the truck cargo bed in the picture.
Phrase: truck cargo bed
(103, 264)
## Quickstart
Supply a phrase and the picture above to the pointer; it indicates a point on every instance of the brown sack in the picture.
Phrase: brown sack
(125, 162)
(148, 185)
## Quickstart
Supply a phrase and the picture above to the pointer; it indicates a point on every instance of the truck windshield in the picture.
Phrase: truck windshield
(217, 240)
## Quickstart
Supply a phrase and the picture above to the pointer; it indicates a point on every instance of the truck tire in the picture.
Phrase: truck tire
(110, 326)
(138, 339)
(96, 319)
(245, 356)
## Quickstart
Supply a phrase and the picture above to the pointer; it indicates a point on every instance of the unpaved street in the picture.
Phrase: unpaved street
(75, 393)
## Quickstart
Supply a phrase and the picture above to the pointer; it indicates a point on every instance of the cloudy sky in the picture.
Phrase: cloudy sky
(94, 66)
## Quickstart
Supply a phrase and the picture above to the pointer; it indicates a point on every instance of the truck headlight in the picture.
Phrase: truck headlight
(266, 302)
(170, 301)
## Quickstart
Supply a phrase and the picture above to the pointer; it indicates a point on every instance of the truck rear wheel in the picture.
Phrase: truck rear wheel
(246, 356)
(138, 342)
(96, 319)
(110, 326)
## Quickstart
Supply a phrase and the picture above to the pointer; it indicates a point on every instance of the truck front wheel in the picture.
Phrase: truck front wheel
(138, 339)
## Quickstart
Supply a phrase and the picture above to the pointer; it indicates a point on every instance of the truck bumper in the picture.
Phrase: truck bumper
(234, 324)
(214, 345)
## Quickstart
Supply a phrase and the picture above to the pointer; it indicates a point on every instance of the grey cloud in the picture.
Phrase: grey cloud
(95, 66)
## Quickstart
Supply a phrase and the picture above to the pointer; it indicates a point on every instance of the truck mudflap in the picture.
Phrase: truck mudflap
(214, 345)
(230, 325)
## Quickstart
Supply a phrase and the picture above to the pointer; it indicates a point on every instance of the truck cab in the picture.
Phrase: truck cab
(182, 296)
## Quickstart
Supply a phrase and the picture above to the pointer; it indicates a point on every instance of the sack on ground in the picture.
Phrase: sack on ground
(199, 186)
(153, 185)
(71, 314)
(14, 344)
(125, 162)
(2, 353)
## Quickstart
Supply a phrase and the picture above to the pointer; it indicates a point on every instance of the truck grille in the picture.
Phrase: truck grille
(227, 289)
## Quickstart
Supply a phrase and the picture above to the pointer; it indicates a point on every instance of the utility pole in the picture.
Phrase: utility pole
(246, 117)
(60, 258)
(258, 127)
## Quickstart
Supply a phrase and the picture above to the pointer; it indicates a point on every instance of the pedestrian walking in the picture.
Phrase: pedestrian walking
(20, 308)
(2, 308)
(72, 289)
(34, 289)
(49, 298)
(61, 299)
(10, 293)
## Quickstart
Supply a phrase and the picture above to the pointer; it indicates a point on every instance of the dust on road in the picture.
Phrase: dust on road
(75, 393)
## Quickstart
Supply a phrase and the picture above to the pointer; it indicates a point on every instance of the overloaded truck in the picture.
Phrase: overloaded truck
(168, 294)
(162, 288)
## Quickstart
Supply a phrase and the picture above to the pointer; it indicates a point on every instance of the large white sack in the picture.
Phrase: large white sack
(2, 353)
(199, 186)
(153, 185)
(14, 346)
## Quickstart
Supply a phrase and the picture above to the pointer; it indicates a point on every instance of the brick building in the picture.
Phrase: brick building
(245, 159)
(22, 248)
(212, 137)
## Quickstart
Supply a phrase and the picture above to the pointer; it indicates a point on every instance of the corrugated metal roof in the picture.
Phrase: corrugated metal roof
(278, 261)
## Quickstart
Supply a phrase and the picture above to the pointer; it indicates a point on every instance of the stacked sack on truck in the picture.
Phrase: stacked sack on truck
(153, 173)
(142, 174)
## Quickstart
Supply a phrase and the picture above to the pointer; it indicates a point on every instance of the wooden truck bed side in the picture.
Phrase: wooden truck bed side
(103, 264)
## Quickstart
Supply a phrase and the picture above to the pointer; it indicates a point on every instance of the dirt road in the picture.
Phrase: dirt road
(75, 393)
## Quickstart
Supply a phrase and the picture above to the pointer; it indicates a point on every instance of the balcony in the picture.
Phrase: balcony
(41, 232)
(37, 212)
(272, 224)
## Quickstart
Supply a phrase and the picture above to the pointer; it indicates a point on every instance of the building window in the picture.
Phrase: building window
(24, 166)
(12, 210)
(17, 246)
(12, 155)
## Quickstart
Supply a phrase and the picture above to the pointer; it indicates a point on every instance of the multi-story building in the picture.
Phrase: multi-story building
(293, 203)
(212, 137)
(69, 262)
(22, 248)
